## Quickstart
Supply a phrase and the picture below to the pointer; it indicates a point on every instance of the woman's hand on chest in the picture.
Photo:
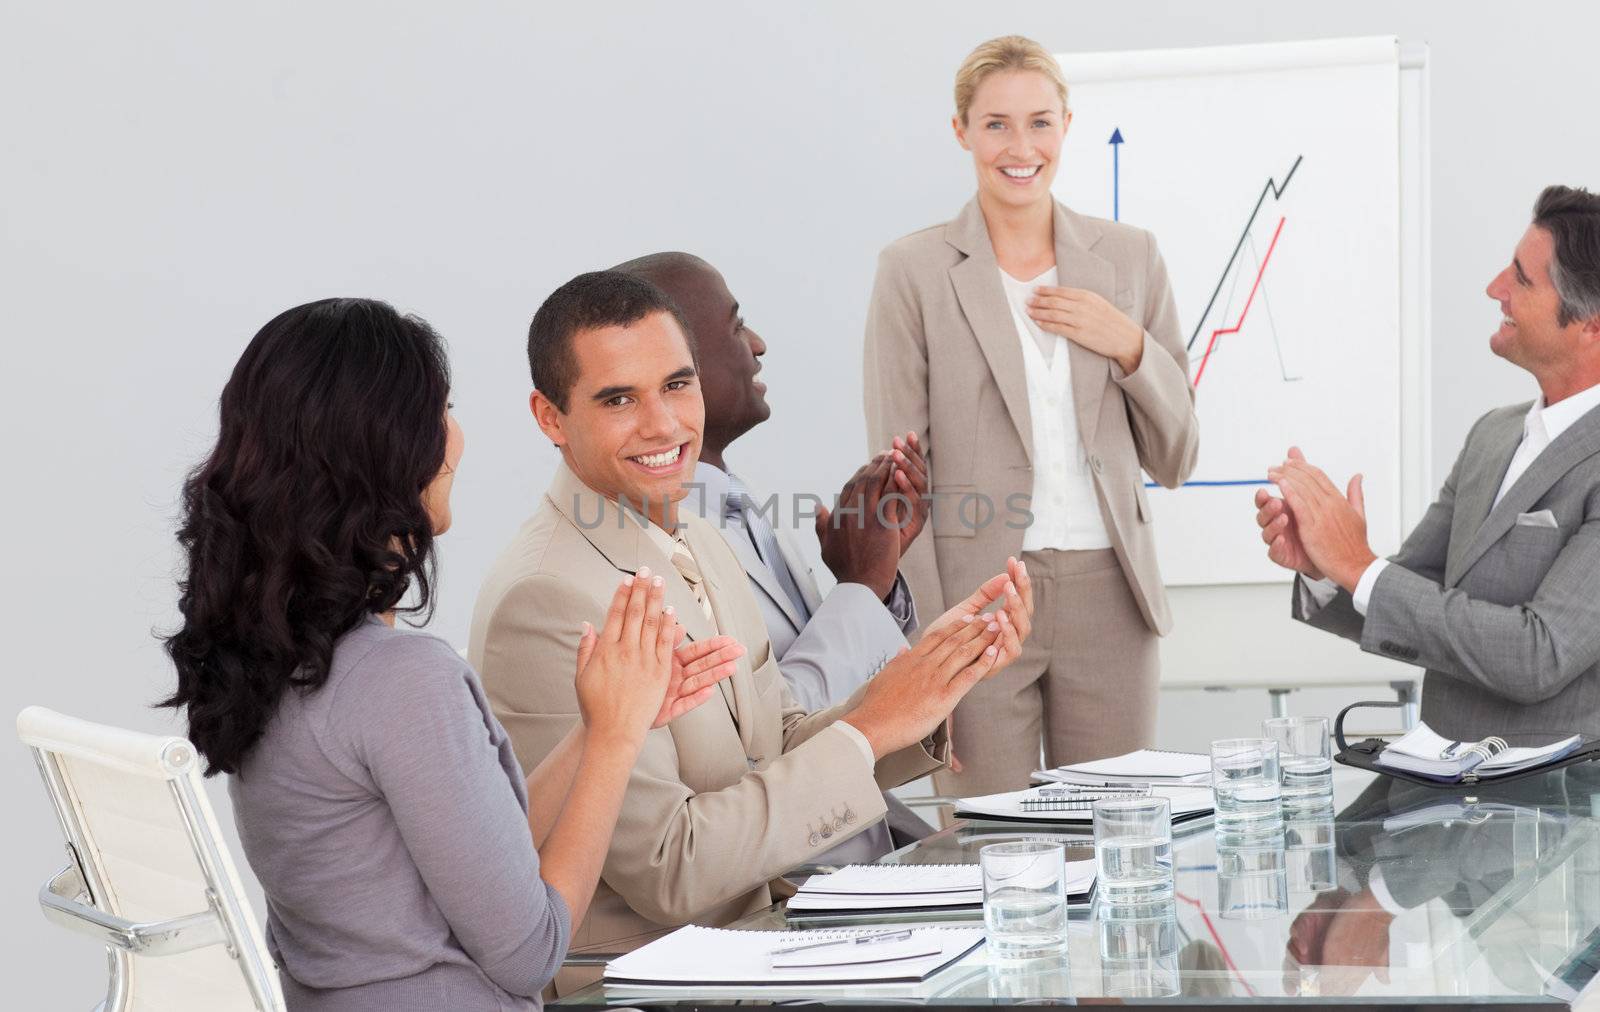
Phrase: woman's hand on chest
(1087, 319)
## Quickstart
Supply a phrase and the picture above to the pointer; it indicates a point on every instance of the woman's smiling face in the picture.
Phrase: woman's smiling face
(1014, 128)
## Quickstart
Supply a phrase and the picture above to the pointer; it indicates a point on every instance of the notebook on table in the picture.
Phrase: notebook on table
(1056, 803)
(1426, 753)
(1422, 756)
(1146, 766)
(912, 889)
(696, 957)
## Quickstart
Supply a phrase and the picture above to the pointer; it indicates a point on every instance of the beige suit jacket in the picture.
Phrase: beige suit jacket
(943, 360)
(722, 800)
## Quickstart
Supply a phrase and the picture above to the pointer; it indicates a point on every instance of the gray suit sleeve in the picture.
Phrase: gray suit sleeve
(1525, 652)
(849, 638)
(1423, 554)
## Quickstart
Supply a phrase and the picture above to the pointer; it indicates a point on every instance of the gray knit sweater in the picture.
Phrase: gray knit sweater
(386, 818)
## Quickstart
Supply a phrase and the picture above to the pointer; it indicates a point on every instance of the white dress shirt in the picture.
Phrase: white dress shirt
(1066, 511)
(1540, 427)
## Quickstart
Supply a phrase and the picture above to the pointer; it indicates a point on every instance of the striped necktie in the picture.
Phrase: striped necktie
(740, 507)
(683, 562)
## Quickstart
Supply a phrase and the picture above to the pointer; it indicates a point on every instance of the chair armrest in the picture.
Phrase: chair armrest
(60, 899)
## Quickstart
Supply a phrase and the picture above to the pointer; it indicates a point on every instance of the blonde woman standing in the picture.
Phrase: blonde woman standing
(1037, 352)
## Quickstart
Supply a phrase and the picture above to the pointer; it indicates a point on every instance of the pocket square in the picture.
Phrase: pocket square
(1543, 518)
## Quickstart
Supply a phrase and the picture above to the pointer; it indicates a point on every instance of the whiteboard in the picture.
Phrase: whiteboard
(1273, 178)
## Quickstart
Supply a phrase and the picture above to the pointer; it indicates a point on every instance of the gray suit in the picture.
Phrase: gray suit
(1504, 615)
(827, 647)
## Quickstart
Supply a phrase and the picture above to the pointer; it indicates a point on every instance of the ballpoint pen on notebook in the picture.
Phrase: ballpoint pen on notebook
(882, 936)
(1082, 790)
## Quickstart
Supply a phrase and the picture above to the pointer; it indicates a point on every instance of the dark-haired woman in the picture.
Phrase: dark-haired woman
(377, 798)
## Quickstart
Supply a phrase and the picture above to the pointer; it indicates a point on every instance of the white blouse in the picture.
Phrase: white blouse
(1066, 511)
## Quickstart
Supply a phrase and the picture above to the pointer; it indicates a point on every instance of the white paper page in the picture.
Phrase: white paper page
(694, 956)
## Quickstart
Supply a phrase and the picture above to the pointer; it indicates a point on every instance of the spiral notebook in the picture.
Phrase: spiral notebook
(696, 957)
(1426, 753)
(912, 888)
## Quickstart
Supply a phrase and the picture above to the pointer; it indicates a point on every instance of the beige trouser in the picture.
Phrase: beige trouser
(1085, 683)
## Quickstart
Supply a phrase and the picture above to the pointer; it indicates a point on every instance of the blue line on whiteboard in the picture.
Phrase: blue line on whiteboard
(1116, 173)
(1212, 484)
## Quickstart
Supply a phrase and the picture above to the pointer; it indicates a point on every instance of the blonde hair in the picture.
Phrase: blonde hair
(1008, 52)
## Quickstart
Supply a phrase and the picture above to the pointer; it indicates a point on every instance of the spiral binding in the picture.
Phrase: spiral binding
(1486, 749)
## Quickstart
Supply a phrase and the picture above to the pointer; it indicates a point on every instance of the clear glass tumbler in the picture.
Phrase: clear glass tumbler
(1025, 899)
(1249, 794)
(1133, 850)
(1305, 757)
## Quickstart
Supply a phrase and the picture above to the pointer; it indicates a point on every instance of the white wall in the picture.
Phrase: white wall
(176, 173)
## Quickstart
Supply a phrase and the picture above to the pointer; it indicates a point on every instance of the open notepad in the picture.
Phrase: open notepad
(1146, 766)
(1047, 803)
(1426, 753)
(715, 957)
(913, 888)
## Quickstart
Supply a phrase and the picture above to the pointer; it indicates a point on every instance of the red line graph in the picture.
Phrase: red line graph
(1211, 344)
(1211, 929)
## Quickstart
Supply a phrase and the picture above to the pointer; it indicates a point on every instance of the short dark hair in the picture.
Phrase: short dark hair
(1572, 217)
(588, 302)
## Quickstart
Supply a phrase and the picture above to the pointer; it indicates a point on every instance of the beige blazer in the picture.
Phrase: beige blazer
(943, 360)
(722, 800)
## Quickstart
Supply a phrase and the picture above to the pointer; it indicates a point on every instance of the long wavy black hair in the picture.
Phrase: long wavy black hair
(308, 514)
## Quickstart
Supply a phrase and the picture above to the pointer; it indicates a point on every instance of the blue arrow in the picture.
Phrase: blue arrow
(1116, 173)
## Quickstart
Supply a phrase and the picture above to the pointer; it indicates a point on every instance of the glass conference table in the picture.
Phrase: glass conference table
(1395, 894)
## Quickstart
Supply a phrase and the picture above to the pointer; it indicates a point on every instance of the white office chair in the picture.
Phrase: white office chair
(148, 874)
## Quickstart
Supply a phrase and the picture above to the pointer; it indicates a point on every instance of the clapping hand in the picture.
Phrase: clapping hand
(697, 667)
(910, 478)
(917, 690)
(630, 678)
(1330, 526)
(856, 545)
(1015, 588)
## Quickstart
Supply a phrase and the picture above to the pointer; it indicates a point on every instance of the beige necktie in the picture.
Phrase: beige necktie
(683, 562)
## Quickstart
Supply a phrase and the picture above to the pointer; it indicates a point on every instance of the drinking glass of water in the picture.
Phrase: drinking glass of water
(1025, 899)
(1244, 774)
(1306, 758)
(1133, 850)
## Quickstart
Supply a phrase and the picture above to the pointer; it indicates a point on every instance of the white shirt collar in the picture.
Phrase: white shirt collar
(1560, 416)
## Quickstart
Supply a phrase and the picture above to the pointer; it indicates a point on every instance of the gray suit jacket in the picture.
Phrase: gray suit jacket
(1505, 616)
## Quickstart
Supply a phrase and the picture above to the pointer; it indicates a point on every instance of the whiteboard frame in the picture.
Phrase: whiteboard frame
(1416, 289)
(1213, 621)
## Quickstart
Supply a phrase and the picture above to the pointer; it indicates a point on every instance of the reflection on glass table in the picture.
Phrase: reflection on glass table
(1392, 892)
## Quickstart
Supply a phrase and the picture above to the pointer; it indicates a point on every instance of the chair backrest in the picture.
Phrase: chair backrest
(150, 874)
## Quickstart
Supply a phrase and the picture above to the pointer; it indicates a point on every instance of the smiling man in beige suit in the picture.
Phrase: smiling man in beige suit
(728, 797)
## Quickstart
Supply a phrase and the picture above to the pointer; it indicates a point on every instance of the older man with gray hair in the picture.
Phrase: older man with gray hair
(1497, 591)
